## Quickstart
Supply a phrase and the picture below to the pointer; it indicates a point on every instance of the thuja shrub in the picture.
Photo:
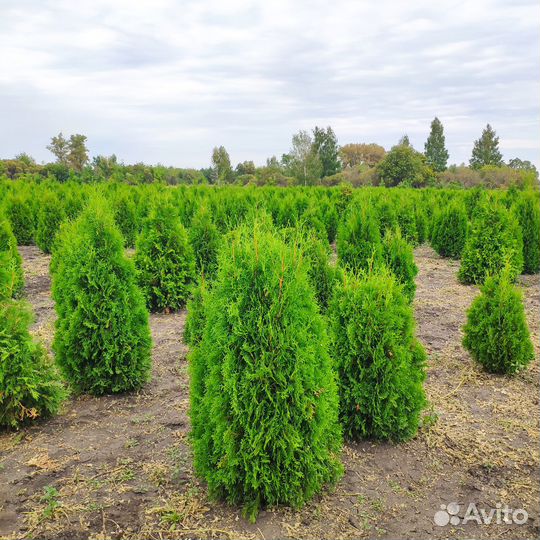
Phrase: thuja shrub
(30, 386)
(421, 224)
(20, 213)
(406, 219)
(496, 333)
(321, 273)
(11, 272)
(494, 238)
(528, 214)
(204, 238)
(359, 240)
(195, 319)
(450, 231)
(381, 365)
(398, 256)
(50, 216)
(386, 214)
(164, 260)
(126, 218)
(102, 340)
(263, 393)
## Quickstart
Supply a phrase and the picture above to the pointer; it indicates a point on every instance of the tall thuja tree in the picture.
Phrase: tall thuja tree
(164, 259)
(326, 146)
(527, 210)
(359, 239)
(435, 148)
(449, 231)
(496, 333)
(494, 239)
(263, 390)
(11, 272)
(204, 238)
(102, 341)
(50, 216)
(486, 150)
(380, 364)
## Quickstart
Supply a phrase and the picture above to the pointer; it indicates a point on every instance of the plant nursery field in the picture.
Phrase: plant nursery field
(268, 363)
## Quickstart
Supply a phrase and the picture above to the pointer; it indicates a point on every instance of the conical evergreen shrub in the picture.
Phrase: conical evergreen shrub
(263, 394)
(20, 213)
(450, 231)
(126, 218)
(164, 260)
(496, 333)
(204, 238)
(316, 251)
(381, 366)
(102, 341)
(528, 214)
(421, 224)
(494, 239)
(30, 386)
(386, 215)
(406, 218)
(11, 272)
(359, 240)
(50, 216)
(398, 256)
(196, 319)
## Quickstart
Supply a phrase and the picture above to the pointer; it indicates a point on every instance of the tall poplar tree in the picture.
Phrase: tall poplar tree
(435, 149)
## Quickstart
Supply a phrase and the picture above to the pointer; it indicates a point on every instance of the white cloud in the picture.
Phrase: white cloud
(161, 80)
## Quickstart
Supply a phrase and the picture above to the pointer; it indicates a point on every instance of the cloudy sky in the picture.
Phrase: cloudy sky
(166, 80)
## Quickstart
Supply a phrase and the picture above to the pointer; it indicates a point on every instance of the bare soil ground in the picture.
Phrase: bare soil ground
(121, 467)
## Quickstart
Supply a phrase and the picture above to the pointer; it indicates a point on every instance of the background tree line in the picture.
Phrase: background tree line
(315, 158)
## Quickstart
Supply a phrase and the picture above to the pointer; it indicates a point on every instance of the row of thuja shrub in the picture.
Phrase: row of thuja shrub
(497, 239)
(288, 350)
(36, 209)
(276, 381)
(264, 384)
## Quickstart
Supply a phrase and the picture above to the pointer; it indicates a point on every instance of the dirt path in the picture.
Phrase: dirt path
(120, 467)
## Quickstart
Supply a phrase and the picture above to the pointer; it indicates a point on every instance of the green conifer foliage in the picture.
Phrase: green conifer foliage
(20, 213)
(496, 333)
(359, 240)
(421, 224)
(320, 273)
(30, 386)
(450, 231)
(102, 341)
(164, 260)
(493, 239)
(126, 218)
(263, 394)
(11, 272)
(528, 215)
(50, 216)
(204, 238)
(195, 319)
(387, 216)
(381, 366)
(406, 218)
(398, 256)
